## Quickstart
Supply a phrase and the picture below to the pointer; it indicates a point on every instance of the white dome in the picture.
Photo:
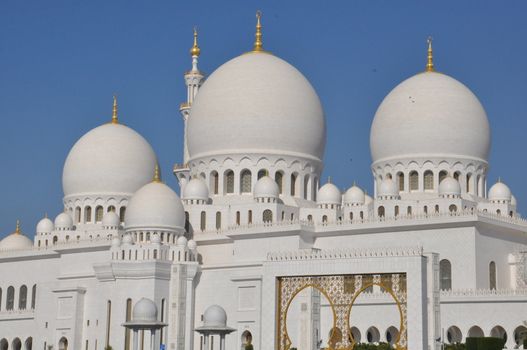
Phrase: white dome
(266, 188)
(329, 194)
(181, 242)
(145, 310)
(111, 158)
(192, 245)
(196, 189)
(155, 206)
(500, 192)
(63, 222)
(388, 187)
(354, 195)
(251, 104)
(110, 219)
(430, 115)
(16, 241)
(449, 186)
(215, 316)
(45, 226)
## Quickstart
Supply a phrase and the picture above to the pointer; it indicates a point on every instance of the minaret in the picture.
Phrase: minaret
(193, 80)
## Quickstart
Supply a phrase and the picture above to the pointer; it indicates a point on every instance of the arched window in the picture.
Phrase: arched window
(492, 275)
(128, 318)
(108, 321)
(267, 215)
(361, 215)
(414, 181)
(214, 182)
(351, 216)
(409, 210)
(306, 186)
(310, 218)
(498, 212)
(228, 182)
(28, 343)
(245, 181)
(16, 344)
(55, 239)
(436, 208)
(218, 220)
(279, 178)
(293, 184)
(425, 209)
(452, 208)
(250, 217)
(203, 221)
(87, 214)
(10, 298)
(469, 183)
(110, 208)
(22, 298)
(261, 173)
(187, 222)
(396, 210)
(445, 275)
(400, 181)
(78, 214)
(33, 296)
(456, 175)
(98, 214)
(324, 219)
(237, 218)
(122, 213)
(380, 211)
(429, 180)
(442, 175)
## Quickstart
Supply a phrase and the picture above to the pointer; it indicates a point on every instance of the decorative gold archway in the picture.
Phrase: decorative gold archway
(341, 291)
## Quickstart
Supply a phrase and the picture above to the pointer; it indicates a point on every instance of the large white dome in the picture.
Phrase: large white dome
(257, 103)
(111, 158)
(430, 115)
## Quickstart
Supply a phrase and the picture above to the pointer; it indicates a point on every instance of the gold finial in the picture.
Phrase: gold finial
(195, 50)
(499, 179)
(157, 174)
(430, 63)
(115, 120)
(17, 230)
(258, 45)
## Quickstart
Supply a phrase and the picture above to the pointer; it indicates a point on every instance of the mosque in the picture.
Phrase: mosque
(256, 253)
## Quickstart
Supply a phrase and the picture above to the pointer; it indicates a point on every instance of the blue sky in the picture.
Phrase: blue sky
(61, 61)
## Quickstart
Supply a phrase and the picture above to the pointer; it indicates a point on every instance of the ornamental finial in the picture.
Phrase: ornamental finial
(157, 174)
(329, 179)
(195, 50)
(258, 45)
(17, 229)
(115, 120)
(430, 63)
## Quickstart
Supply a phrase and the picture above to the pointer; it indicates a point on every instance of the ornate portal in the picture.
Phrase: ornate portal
(341, 292)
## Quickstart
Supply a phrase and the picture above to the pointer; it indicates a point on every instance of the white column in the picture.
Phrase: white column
(135, 345)
(152, 339)
(206, 341)
(222, 341)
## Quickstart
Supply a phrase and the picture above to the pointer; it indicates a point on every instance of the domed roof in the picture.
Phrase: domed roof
(155, 206)
(196, 189)
(430, 115)
(145, 310)
(449, 186)
(215, 316)
(110, 219)
(329, 194)
(354, 195)
(251, 104)
(45, 225)
(192, 245)
(181, 241)
(111, 158)
(64, 221)
(388, 187)
(266, 187)
(500, 192)
(16, 240)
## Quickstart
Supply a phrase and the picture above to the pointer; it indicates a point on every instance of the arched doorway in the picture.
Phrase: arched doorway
(16, 344)
(392, 334)
(3, 344)
(373, 335)
(29, 343)
(63, 344)
(519, 334)
(475, 331)
(499, 332)
(247, 339)
(454, 335)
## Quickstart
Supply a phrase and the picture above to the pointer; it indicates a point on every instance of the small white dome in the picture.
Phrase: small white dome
(329, 194)
(266, 188)
(110, 219)
(63, 222)
(500, 192)
(196, 189)
(354, 195)
(116, 242)
(145, 310)
(388, 187)
(215, 316)
(127, 239)
(181, 241)
(155, 206)
(111, 158)
(45, 226)
(449, 187)
(192, 245)
(16, 241)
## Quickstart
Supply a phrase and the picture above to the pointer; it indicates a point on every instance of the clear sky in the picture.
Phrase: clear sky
(61, 61)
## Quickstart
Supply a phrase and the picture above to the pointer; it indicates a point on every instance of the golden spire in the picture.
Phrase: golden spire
(157, 174)
(430, 63)
(258, 45)
(195, 50)
(115, 120)
(17, 230)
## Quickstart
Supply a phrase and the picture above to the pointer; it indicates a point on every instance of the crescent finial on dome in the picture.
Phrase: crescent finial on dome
(195, 50)
(258, 44)
(115, 119)
(430, 63)
(157, 174)
(17, 229)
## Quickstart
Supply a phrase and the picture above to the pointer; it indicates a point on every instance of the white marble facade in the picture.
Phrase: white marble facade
(253, 209)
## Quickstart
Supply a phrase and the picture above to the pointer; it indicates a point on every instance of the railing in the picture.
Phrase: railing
(314, 254)
(484, 292)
